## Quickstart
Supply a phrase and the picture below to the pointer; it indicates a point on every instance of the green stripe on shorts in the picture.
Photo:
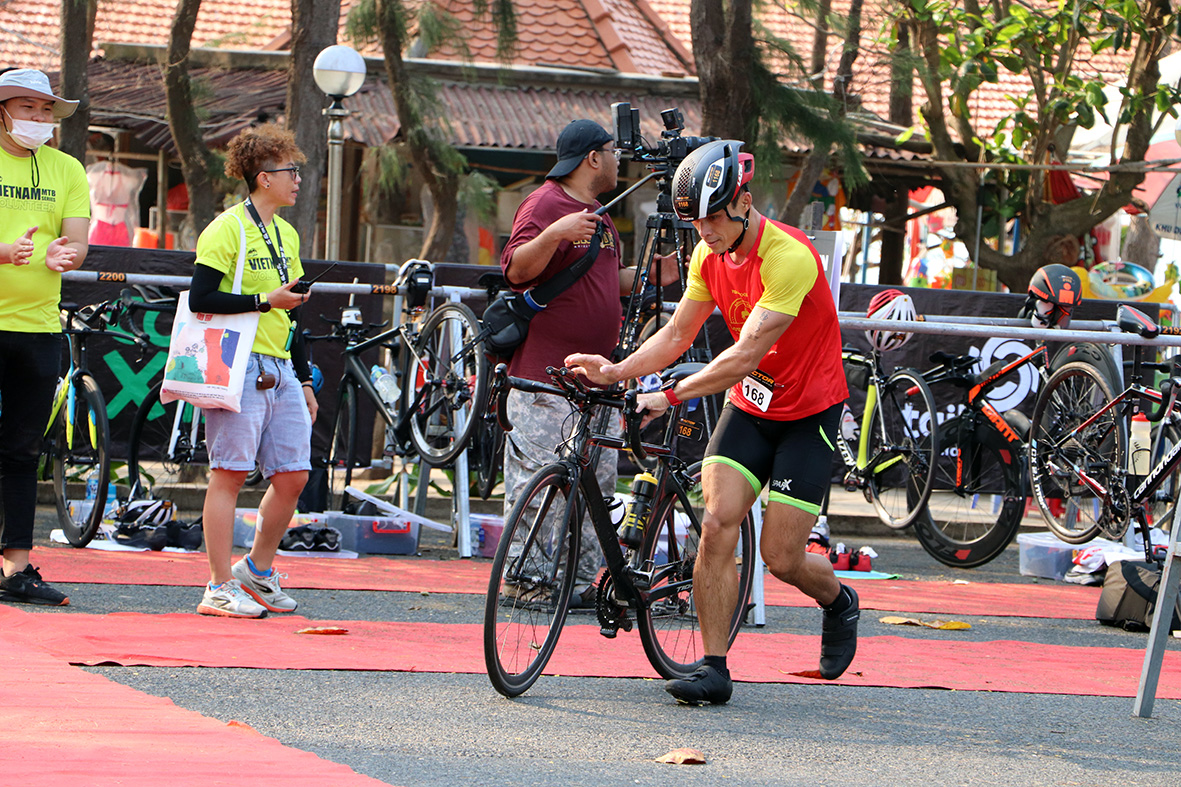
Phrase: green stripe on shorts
(754, 482)
(803, 505)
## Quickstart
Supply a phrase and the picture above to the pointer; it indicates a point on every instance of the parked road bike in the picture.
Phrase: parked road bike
(440, 372)
(648, 583)
(78, 437)
(1081, 457)
(889, 455)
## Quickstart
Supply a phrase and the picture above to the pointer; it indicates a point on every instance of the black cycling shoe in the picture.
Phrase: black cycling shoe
(706, 684)
(838, 638)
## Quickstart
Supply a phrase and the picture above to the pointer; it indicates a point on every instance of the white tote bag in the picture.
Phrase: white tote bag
(208, 353)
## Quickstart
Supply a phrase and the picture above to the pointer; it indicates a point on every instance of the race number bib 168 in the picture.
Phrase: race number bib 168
(757, 387)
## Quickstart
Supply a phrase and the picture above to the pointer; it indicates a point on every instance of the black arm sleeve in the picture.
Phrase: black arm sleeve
(299, 350)
(205, 297)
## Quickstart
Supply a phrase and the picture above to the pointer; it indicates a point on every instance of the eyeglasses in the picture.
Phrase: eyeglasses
(292, 169)
(616, 152)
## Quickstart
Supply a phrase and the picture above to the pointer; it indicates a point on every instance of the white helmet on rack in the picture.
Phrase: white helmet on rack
(890, 305)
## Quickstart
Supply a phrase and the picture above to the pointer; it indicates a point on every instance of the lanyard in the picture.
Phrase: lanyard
(278, 257)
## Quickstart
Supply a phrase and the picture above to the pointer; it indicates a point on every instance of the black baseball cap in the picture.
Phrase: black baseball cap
(576, 140)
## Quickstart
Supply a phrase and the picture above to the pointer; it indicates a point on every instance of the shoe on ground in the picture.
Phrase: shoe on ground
(264, 590)
(229, 600)
(27, 587)
(298, 539)
(838, 638)
(706, 684)
(326, 539)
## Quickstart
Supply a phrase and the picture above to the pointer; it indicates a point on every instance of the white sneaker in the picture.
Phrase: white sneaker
(264, 590)
(229, 600)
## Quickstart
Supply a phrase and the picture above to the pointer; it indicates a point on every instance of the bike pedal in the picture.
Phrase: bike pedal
(609, 633)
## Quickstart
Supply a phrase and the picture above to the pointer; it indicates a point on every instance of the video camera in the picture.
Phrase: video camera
(670, 150)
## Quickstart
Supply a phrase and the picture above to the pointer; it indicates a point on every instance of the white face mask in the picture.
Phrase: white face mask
(30, 134)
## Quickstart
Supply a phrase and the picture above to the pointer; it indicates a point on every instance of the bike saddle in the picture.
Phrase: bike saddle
(493, 281)
(954, 361)
(681, 371)
(1135, 321)
(418, 277)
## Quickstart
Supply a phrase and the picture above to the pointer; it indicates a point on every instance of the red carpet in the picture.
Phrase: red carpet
(64, 726)
(1061, 601)
(192, 640)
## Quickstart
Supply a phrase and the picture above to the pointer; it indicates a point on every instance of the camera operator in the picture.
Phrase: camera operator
(552, 230)
(786, 386)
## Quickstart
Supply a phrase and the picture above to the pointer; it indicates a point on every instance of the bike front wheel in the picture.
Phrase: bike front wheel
(980, 497)
(1060, 449)
(447, 383)
(532, 580)
(166, 445)
(668, 623)
(80, 450)
(903, 434)
(487, 455)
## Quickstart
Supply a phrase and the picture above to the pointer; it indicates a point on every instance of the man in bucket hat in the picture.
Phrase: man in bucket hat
(551, 231)
(43, 231)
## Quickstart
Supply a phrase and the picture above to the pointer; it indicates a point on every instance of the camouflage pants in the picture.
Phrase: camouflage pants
(541, 423)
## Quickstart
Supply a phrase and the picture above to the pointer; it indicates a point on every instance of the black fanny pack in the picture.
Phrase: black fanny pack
(507, 317)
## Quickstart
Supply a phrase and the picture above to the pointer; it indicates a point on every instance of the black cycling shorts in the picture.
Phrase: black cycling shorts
(794, 456)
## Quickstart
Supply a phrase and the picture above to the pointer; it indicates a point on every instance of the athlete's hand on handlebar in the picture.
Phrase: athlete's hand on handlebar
(595, 368)
(652, 405)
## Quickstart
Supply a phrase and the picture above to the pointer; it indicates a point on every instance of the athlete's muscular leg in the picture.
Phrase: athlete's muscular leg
(783, 546)
(728, 497)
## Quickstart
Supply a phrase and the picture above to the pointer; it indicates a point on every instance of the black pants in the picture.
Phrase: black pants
(29, 367)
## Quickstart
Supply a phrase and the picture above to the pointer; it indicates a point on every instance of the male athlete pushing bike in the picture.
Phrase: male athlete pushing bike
(779, 424)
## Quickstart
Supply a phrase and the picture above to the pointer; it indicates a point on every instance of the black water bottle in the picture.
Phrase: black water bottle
(631, 533)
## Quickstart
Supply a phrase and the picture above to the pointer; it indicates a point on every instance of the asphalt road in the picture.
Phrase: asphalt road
(455, 730)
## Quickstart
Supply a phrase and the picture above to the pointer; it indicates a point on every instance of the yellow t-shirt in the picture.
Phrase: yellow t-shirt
(30, 294)
(218, 248)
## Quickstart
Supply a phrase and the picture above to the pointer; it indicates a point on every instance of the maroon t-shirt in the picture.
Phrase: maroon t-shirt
(586, 316)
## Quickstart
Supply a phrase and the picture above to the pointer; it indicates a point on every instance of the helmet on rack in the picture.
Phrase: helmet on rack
(890, 305)
(710, 178)
(1054, 291)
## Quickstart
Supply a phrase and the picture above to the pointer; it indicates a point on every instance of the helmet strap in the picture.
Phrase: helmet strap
(745, 226)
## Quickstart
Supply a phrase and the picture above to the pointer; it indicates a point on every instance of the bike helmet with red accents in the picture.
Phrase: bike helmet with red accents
(890, 305)
(710, 178)
(1054, 291)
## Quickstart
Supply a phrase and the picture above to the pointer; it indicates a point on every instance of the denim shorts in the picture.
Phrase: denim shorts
(273, 428)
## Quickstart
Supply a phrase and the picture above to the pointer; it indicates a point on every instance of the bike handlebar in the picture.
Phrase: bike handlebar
(570, 386)
(1168, 392)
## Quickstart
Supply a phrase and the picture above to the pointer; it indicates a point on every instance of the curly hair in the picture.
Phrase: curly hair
(260, 148)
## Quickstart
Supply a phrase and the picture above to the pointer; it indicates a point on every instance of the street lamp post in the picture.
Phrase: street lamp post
(339, 72)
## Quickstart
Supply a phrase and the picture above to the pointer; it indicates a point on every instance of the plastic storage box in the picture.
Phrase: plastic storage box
(486, 530)
(246, 520)
(387, 534)
(1043, 555)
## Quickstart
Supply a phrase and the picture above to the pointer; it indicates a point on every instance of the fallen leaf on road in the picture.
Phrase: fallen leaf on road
(683, 757)
(324, 630)
(242, 726)
(946, 625)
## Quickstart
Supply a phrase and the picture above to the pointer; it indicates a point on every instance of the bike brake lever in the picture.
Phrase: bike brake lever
(499, 394)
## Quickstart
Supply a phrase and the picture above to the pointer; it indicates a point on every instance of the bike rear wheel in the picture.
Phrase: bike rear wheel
(447, 383)
(1058, 449)
(343, 452)
(487, 455)
(901, 442)
(962, 525)
(1162, 506)
(161, 450)
(532, 580)
(668, 623)
(81, 448)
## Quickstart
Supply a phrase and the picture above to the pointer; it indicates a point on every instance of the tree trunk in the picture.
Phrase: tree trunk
(424, 142)
(724, 52)
(77, 21)
(182, 117)
(313, 28)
